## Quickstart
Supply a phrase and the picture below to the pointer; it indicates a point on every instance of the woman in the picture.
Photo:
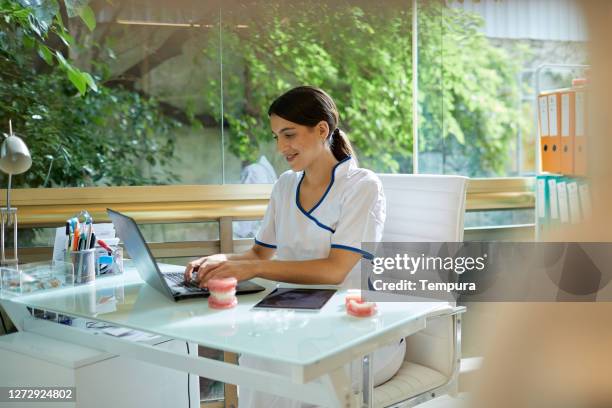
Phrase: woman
(319, 213)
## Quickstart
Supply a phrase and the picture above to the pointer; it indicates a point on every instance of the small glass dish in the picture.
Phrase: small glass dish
(32, 277)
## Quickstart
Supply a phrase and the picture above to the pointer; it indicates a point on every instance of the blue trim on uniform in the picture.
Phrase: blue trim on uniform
(331, 182)
(297, 201)
(263, 244)
(309, 213)
(363, 253)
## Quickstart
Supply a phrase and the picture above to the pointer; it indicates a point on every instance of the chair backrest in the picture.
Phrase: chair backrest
(424, 208)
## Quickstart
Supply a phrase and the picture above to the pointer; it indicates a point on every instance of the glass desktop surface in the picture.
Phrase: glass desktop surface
(288, 336)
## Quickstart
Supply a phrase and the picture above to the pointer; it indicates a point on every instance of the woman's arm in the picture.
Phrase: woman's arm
(327, 271)
(256, 252)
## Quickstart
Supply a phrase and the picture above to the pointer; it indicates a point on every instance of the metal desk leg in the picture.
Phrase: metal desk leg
(368, 381)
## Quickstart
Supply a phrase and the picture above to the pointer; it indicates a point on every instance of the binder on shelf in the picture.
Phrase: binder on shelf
(564, 214)
(562, 194)
(542, 204)
(581, 139)
(574, 201)
(561, 200)
(542, 199)
(552, 156)
(552, 198)
(585, 200)
(544, 130)
(568, 130)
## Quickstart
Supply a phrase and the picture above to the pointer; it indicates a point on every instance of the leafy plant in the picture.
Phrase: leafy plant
(105, 132)
(28, 25)
(362, 57)
(107, 136)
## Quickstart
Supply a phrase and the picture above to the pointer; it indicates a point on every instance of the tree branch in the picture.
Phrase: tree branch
(106, 31)
(169, 49)
(53, 41)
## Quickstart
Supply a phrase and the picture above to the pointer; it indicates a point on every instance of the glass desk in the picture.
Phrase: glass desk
(312, 345)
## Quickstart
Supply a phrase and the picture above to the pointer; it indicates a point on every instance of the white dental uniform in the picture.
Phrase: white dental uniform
(351, 211)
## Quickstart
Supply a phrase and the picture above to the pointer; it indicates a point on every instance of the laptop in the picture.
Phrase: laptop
(171, 284)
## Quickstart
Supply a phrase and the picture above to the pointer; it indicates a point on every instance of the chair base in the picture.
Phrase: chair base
(416, 383)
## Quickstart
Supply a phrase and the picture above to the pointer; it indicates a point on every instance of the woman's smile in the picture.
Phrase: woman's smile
(290, 157)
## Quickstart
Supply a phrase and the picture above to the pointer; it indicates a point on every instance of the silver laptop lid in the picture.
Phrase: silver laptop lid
(137, 248)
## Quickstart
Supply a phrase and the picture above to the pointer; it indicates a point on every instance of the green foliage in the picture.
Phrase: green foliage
(26, 25)
(105, 137)
(108, 137)
(362, 57)
(470, 92)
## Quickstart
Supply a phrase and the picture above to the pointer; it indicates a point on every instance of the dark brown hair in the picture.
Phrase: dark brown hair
(307, 106)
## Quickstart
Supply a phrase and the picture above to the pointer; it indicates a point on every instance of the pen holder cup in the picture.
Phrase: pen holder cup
(84, 263)
(109, 264)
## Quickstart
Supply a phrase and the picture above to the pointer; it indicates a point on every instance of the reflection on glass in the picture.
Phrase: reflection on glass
(180, 232)
(175, 66)
(152, 120)
(499, 217)
(183, 88)
(245, 229)
(358, 51)
(35, 237)
(469, 95)
(476, 82)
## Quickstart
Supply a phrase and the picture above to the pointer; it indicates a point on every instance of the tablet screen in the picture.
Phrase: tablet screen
(296, 298)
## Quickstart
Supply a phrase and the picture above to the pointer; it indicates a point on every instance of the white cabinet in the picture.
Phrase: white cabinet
(101, 380)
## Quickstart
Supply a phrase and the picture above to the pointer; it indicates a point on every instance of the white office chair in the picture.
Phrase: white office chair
(425, 208)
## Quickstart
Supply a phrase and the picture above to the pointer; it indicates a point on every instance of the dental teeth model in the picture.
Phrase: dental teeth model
(356, 306)
(222, 293)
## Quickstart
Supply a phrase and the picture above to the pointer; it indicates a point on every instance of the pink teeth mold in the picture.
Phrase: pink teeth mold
(359, 308)
(222, 293)
(352, 296)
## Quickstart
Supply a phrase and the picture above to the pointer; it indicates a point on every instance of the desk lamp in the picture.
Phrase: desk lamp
(14, 159)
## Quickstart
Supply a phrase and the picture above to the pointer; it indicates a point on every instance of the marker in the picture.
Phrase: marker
(89, 234)
(75, 244)
(67, 246)
(105, 246)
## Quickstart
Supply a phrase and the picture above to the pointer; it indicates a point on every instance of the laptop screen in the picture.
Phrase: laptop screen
(137, 248)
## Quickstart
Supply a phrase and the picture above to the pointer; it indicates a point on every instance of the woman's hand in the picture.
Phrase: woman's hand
(194, 266)
(241, 270)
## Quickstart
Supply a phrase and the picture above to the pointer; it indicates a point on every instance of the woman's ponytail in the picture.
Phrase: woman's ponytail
(340, 145)
(307, 106)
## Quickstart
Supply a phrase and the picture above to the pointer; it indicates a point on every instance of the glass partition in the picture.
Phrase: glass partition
(147, 111)
(179, 92)
(358, 51)
(477, 65)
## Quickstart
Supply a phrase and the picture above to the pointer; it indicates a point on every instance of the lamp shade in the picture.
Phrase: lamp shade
(14, 156)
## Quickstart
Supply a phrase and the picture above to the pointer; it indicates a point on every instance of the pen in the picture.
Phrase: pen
(105, 246)
(89, 233)
(75, 244)
(67, 246)
(82, 242)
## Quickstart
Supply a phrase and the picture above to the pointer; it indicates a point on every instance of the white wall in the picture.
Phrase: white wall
(553, 20)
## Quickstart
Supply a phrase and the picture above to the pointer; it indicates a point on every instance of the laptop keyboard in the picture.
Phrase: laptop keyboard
(179, 279)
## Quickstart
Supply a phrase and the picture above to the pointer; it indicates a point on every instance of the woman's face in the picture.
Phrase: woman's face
(300, 145)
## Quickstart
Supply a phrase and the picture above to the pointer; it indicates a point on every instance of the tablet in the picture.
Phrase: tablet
(296, 298)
